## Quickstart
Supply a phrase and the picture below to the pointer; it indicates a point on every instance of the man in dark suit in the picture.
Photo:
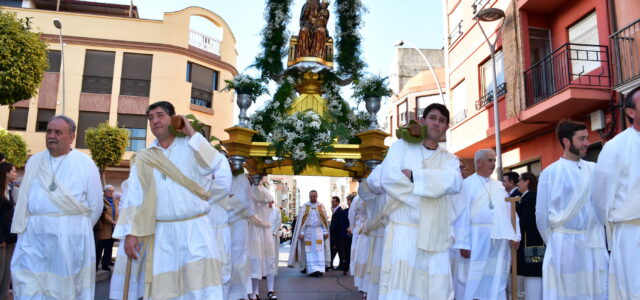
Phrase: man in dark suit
(510, 183)
(338, 233)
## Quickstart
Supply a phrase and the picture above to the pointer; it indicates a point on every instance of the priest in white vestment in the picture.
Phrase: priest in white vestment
(360, 243)
(371, 193)
(240, 284)
(311, 238)
(616, 192)
(59, 202)
(419, 179)
(262, 257)
(163, 225)
(484, 234)
(575, 261)
(276, 223)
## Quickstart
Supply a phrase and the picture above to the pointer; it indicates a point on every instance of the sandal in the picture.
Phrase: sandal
(272, 295)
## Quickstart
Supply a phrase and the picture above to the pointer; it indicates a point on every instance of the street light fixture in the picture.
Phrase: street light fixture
(400, 43)
(58, 25)
(490, 15)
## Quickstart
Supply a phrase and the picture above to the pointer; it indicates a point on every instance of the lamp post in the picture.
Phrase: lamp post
(400, 43)
(58, 25)
(490, 15)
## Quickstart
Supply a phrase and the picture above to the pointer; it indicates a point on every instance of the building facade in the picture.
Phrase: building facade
(116, 64)
(554, 60)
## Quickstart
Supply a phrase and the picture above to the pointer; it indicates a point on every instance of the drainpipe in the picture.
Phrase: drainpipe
(613, 27)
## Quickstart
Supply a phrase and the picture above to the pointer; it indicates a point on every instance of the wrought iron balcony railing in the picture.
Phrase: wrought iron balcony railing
(459, 117)
(135, 87)
(488, 97)
(96, 84)
(577, 65)
(626, 53)
(456, 32)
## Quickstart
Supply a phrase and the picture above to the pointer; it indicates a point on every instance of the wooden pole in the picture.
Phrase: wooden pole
(58, 5)
(514, 257)
(127, 280)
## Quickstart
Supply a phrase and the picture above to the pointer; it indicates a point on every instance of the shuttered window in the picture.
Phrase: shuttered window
(98, 72)
(136, 74)
(584, 59)
(44, 115)
(18, 118)
(54, 61)
(137, 127)
(88, 120)
(204, 82)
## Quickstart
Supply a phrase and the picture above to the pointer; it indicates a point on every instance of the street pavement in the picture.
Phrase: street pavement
(290, 284)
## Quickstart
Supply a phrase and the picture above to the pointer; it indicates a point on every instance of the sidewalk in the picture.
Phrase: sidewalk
(292, 285)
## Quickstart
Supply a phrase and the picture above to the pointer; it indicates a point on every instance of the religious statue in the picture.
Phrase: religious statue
(313, 35)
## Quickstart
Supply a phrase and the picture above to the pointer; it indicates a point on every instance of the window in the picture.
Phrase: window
(486, 74)
(593, 152)
(88, 120)
(584, 58)
(459, 96)
(455, 24)
(137, 127)
(403, 117)
(18, 118)
(204, 82)
(98, 72)
(54, 61)
(540, 43)
(424, 101)
(136, 74)
(44, 115)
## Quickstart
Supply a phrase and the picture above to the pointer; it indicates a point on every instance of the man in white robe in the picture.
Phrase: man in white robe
(59, 202)
(311, 238)
(276, 221)
(616, 192)
(372, 194)
(419, 179)
(360, 244)
(242, 209)
(164, 223)
(575, 261)
(483, 234)
(261, 247)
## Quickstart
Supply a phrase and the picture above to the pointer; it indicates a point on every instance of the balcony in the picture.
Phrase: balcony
(456, 33)
(626, 56)
(204, 42)
(571, 65)
(488, 97)
(459, 117)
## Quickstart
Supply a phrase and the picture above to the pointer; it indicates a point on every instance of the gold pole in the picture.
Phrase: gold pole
(127, 279)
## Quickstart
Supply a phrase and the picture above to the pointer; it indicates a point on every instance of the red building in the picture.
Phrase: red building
(556, 59)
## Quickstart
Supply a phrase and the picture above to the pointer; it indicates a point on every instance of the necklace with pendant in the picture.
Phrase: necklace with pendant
(53, 186)
(488, 194)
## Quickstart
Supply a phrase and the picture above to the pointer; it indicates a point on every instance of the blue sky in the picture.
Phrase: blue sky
(418, 21)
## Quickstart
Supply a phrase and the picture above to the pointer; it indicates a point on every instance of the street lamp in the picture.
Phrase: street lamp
(400, 43)
(490, 15)
(58, 25)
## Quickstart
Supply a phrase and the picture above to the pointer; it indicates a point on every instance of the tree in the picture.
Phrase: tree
(107, 145)
(23, 59)
(13, 147)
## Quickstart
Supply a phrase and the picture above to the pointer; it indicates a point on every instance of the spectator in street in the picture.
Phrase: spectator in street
(104, 229)
(7, 239)
(531, 251)
(510, 183)
(338, 233)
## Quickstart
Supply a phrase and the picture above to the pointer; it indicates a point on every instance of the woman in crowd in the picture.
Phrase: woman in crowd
(531, 251)
(8, 175)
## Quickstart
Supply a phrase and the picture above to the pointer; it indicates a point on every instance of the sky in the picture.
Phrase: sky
(386, 22)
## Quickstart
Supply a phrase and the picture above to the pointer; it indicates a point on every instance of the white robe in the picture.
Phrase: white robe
(370, 192)
(409, 272)
(313, 252)
(187, 261)
(276, 222)
(54, 257)
(261, 254)
(573, 268)
(486, 233)
(360, 243)
(616, 193)
(240, 284)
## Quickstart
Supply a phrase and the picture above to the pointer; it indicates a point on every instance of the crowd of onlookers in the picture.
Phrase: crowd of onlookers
(8, 197)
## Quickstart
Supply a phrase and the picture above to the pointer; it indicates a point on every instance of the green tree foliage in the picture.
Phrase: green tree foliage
(13, 147)
(107, 145)
(23, 59)
(284, 217)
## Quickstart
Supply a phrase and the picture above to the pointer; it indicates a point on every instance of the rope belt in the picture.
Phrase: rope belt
(181, 220)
